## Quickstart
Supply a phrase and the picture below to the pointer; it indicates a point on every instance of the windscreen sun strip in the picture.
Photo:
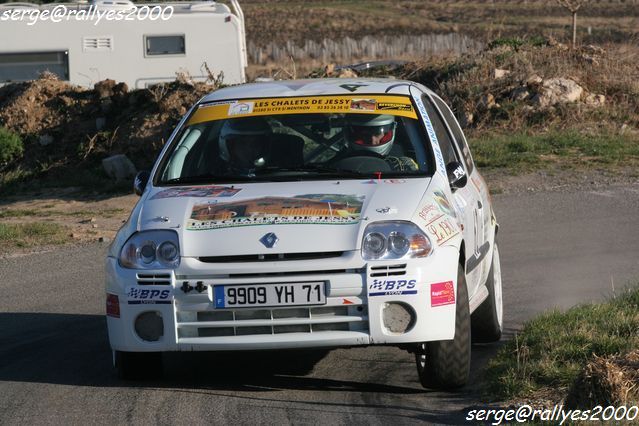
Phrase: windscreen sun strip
(362, 104)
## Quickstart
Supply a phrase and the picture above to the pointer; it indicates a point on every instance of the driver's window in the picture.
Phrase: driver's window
(178, 158)
(445, 142)
(462, 145)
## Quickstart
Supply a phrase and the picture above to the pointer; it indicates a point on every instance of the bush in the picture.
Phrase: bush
(10, 146)
(517, 42)
(514, 42)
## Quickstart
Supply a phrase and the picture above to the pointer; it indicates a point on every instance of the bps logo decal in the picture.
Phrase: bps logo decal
(442, 294)
(392, 287)
(139, 296)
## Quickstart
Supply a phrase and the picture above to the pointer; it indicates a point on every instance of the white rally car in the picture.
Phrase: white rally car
(309, 214)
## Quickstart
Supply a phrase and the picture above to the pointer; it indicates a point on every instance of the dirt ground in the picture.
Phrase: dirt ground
(96, 217)
(84, 218)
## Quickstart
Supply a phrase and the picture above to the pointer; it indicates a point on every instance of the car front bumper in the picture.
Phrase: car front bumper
(357, 294)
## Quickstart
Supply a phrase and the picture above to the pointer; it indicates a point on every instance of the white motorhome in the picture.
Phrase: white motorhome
(141, 44)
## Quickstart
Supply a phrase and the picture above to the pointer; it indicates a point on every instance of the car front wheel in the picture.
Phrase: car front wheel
(445, 364)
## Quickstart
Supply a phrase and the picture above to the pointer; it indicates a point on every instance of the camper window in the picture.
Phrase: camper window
(29, 65)
(165, 45)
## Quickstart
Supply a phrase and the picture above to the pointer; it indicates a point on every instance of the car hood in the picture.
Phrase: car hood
(305, 217)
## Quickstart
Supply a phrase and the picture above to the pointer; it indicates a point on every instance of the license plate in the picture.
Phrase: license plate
(288, 294)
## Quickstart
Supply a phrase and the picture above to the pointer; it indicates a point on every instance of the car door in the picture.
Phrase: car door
(477, 194)
(465, 199)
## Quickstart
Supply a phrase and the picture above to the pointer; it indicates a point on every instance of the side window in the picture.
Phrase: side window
(164, 45)
(22, 66)
(445, 142)
(462, 145)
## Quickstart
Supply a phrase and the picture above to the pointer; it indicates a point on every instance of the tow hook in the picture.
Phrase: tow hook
(186, 287)
(200, 287)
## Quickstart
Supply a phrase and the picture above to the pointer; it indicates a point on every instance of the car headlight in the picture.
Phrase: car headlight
(158, 249)
(394, 240)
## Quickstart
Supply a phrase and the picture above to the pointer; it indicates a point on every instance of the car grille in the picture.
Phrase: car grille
(388, 270)
(270, 257)
(295, 273)
(262, 321)
(345, 311)
(154, 279)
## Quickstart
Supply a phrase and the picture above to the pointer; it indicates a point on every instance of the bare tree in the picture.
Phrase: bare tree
(573, 6)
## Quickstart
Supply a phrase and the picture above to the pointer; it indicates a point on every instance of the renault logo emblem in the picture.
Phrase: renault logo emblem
(269, 240)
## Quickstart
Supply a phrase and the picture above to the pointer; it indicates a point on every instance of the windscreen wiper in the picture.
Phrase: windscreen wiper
(312, 169)
(208, 178)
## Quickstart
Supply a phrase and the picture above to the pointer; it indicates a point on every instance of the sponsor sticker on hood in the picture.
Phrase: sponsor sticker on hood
(439, 218)
(314, 209)
(197, 191)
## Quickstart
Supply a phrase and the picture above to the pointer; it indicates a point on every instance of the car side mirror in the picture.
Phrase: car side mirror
(457, 177)
(141, 179)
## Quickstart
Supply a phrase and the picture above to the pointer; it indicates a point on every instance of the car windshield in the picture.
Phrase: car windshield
(292, 139)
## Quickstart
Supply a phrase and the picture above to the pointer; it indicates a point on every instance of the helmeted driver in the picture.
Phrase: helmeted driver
(372, 133)
(244, 143)
(375, 133)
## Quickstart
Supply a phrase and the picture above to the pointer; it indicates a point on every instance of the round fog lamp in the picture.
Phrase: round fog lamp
(149, 326)
(398, 317)
(374, 245)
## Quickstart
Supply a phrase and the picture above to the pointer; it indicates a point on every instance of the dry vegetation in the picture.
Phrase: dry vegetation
(612, 380)
(467, 82)
(581, 358)
(299, 20)
(67, 130)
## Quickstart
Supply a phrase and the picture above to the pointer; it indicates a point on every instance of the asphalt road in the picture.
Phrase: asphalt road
(558, 249)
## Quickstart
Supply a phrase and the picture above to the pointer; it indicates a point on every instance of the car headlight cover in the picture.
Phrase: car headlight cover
(394, 240)
(157, 249)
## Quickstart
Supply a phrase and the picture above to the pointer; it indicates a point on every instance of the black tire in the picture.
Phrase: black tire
(138, 365)
(487, 320)
(445, 364)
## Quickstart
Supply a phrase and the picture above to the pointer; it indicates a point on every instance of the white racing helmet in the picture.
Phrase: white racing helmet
(372, 133)
(253, 131)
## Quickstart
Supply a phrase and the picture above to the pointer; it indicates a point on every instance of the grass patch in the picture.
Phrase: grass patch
(50, 176)
(101, 213)
(552, 349)
(25, 235)
(4, 214)
(521, 152)
(11, 146)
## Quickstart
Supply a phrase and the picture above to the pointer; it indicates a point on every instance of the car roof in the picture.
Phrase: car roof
(314, 87)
